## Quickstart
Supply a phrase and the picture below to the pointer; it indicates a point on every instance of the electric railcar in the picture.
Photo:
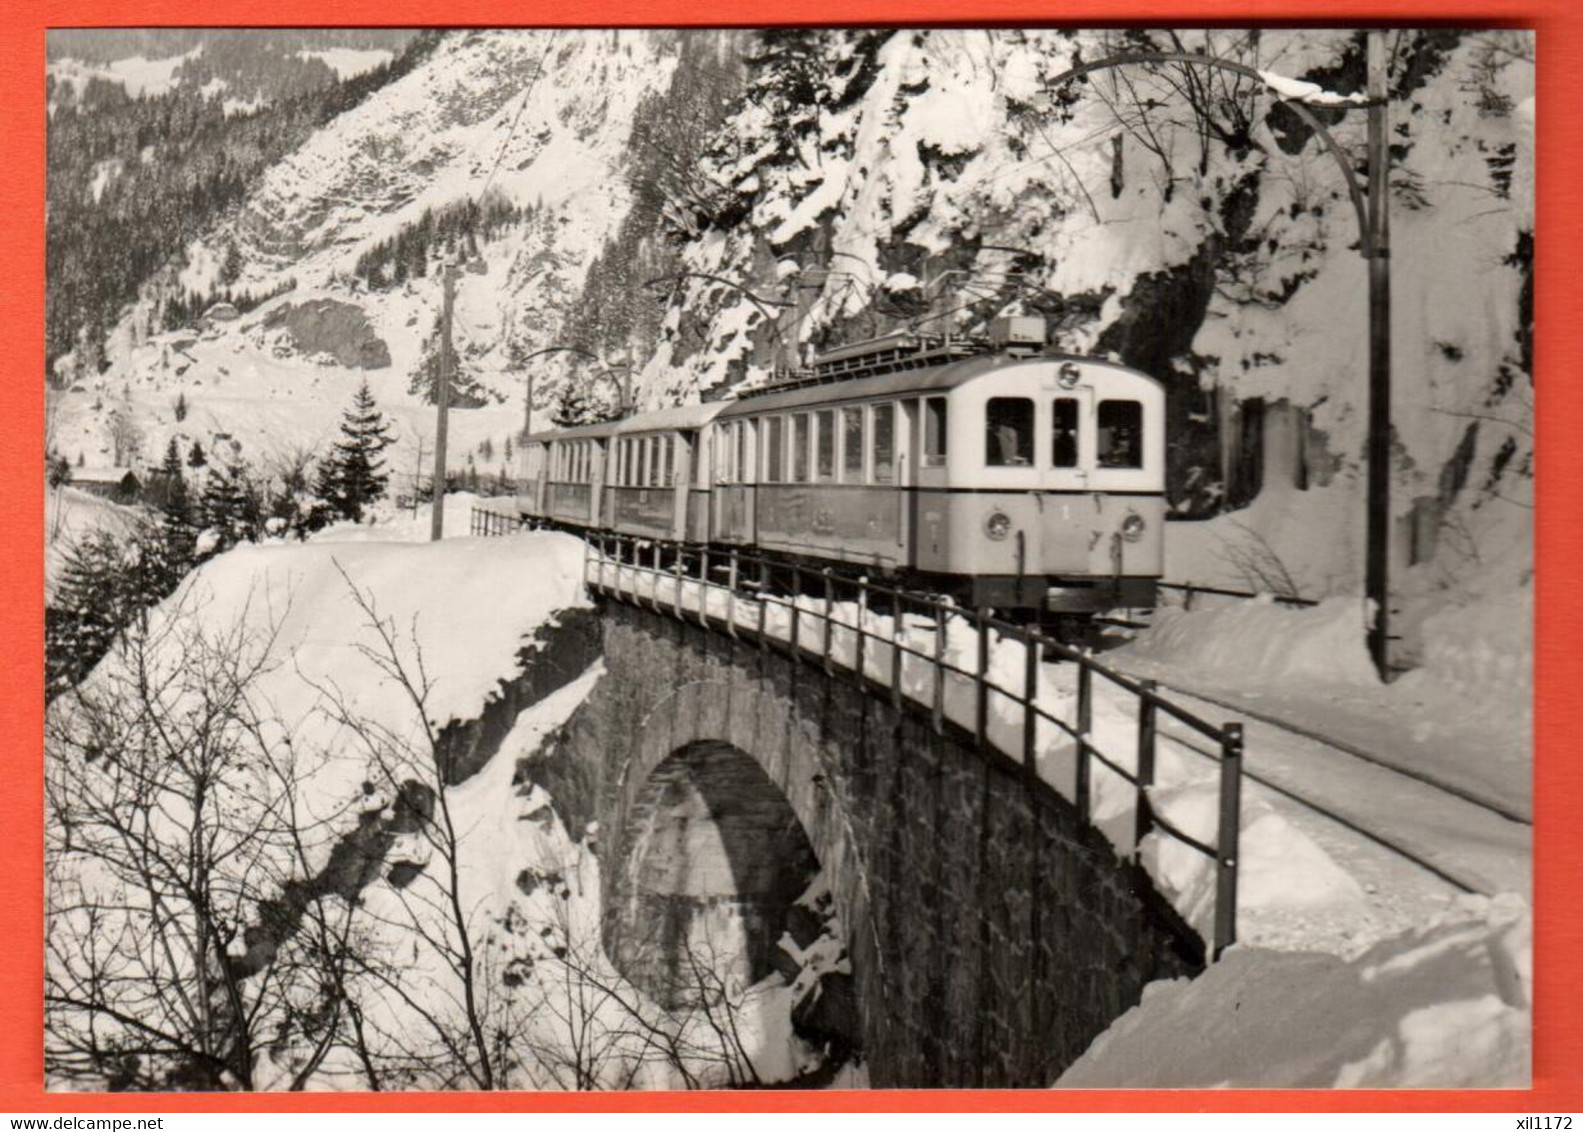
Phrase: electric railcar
(1020, 482)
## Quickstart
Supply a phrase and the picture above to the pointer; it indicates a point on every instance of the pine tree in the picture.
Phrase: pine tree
(181, 408)
(177, 536)
(353, 477)
(225, 503)
(89, 607)
(195, 457)
(59, 472)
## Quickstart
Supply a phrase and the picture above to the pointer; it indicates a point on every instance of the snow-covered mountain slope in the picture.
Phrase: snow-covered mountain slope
(870, 179)
(433, 139)
(1199, 232)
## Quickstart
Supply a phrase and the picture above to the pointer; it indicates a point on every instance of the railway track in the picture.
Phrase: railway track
(1471, 843)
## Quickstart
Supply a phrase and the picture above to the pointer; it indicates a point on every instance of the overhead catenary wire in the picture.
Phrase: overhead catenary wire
(527, 96)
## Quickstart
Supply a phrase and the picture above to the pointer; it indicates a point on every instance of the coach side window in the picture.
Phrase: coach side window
(774, 439)
(744, 469)
(884, 434)
(799, 447)
(1008, 432)
(934, 432)
(1120, 440)
(852, 444)
(824, 450)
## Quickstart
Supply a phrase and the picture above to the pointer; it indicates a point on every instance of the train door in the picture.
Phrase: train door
(1066, 460)
(931, 523)
(686, 454)
(907, 477)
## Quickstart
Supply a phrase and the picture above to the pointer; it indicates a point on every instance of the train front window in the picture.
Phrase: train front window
(824, 424)
(852, 444)
(667, 461)
(1008, 432)
(885, 443)
(1120, 440)
(934, 432)
(799, 443)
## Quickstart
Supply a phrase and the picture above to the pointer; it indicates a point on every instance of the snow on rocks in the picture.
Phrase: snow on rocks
(1446, 1005)
(1300, 90)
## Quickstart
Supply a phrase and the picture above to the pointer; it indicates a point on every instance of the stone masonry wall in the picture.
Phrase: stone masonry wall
(991, 936)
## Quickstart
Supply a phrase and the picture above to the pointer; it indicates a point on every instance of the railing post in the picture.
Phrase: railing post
(796, 610)
(764, 603)
(1030, 695)
(657, 571)
(1085, 723)
(829, 619)
(898, 634)
(1187, 598)
(731, 595)
(1226, 843)
(1146, 734)
(677, 567)
(703, 587)
(862, 617)
(939, 669)
(981, 681)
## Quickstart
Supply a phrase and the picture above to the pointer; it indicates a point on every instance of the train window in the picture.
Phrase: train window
(744, 469)
(884, 434)
(934, 432)
(824, 465)
(667, 461)
(1120, 441)
(774, 468)
(799, 448)
(1008, 432)
(1063, 433)
(852, 444)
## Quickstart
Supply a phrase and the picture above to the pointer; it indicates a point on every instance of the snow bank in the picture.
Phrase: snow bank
(1463, 720)
(1447, 1005)
(469, 604)
(1260, 642)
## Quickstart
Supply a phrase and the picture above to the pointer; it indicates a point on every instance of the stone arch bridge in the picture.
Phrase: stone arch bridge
(987, 935)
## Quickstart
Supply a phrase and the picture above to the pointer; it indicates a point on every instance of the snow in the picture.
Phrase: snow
(347, 62)
(139, 75)
(71, 513)
(1300, 90)
(1463, 719)
(1446, 1005)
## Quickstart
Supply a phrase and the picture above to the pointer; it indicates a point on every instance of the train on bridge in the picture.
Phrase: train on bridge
(989, 469)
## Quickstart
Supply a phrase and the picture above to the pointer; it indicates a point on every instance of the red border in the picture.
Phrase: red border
(1558, 1017)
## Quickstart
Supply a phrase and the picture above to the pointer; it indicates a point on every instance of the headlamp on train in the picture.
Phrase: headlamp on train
(997, 525)
(1068, 375)
(1132, 526)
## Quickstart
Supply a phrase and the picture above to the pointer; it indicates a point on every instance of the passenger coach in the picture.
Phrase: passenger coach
(1017, 482)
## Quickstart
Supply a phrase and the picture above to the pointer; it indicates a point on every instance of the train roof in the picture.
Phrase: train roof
(599, 431)
(675, 417)
(924, 379)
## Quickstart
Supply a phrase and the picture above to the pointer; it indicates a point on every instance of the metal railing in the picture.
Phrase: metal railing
(486, 523)
(736, 591)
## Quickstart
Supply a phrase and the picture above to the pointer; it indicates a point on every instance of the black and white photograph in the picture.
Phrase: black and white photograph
(788, 558)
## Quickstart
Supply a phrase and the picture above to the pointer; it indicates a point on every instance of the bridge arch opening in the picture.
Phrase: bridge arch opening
(714, 861)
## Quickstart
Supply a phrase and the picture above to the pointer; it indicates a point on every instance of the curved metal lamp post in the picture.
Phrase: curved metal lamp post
(1372, 209)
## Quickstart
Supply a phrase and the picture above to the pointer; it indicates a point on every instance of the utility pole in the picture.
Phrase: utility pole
(442, 398)
(1377, 565)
